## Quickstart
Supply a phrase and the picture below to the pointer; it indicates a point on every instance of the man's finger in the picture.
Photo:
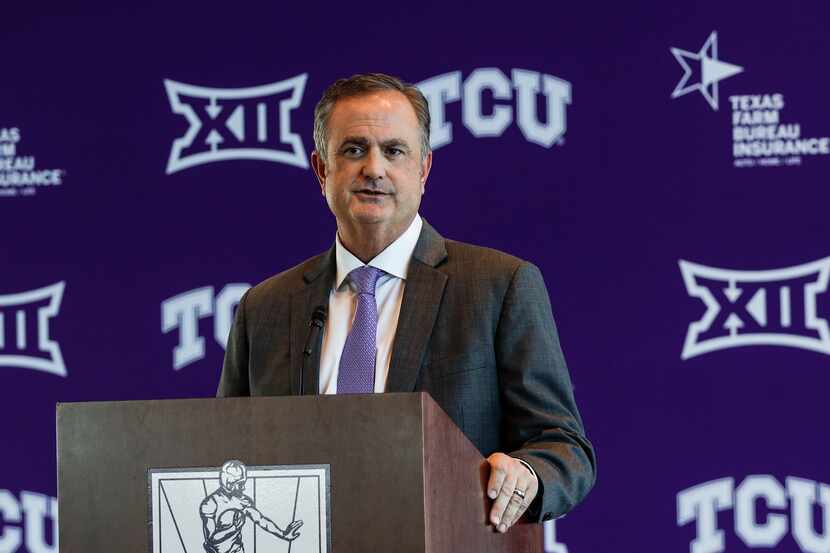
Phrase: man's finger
(518, 501)
(515, 507)
(500, 504)
(497, 476)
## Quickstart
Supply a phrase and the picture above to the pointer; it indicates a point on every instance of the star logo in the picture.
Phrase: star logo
(709, 68)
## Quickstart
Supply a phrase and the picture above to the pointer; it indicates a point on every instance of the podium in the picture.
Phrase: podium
(385, 473)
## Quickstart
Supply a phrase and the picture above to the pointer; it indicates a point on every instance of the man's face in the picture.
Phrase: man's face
(374, 177)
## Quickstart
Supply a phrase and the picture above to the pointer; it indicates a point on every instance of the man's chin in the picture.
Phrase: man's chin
(369, 215)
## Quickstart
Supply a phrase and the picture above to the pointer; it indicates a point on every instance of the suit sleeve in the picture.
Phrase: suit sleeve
(234, 380)
(542, 425)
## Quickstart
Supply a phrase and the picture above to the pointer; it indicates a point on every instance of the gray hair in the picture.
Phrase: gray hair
(357, 85)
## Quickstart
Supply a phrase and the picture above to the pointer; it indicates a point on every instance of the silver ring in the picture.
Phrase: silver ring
(520, 493)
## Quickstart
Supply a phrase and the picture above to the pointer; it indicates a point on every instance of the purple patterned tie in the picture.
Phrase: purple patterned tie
(357, 364)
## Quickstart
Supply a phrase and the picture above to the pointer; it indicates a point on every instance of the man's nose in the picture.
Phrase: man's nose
(374, 165)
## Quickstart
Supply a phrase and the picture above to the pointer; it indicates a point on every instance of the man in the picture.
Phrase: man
(409, 310)
(225, 511)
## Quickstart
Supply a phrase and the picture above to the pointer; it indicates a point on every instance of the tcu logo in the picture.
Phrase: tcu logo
(549, 544)
(747, 308)
(26, 522)
(185, 310)
(447, 88)
(24, 330)
(702, 503)
(237, 123)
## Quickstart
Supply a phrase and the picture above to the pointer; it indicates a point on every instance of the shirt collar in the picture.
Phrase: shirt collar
(394, 260)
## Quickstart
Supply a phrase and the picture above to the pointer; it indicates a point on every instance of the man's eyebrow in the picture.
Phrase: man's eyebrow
(357, 140)
(363, 142)
(395, 143)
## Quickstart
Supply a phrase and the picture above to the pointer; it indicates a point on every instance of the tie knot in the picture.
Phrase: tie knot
(365, 278)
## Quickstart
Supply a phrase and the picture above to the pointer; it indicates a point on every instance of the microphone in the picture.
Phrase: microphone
(318, 319)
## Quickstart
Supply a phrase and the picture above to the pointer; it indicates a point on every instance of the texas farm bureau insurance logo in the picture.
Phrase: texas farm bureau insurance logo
(255, 123)
(761, 137)
(24, 330)
(777, 307)
(764, 512)
(19, 172)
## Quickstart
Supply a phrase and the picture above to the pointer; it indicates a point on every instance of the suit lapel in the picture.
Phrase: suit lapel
(419, 310)
(319, 279)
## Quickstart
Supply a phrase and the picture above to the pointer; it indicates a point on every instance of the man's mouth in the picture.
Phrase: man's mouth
(371, 193)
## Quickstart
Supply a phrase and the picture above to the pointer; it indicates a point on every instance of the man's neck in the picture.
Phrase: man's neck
(366, 243)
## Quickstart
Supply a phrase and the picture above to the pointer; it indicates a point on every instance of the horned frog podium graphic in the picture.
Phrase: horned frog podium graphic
(237, 509)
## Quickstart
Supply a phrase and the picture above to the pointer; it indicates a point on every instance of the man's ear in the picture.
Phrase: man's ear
(318, 164)
(426, 167)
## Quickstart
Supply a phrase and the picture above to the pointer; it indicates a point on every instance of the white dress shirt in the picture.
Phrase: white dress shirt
(394, 261)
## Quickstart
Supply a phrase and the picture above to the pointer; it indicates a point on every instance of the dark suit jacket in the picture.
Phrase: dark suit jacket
(475, 331)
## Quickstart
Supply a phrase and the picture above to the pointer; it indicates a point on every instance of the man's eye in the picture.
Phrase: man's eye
(395, 152)
(352, 151)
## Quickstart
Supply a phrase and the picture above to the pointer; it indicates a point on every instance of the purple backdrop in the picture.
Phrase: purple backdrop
(149, 173)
